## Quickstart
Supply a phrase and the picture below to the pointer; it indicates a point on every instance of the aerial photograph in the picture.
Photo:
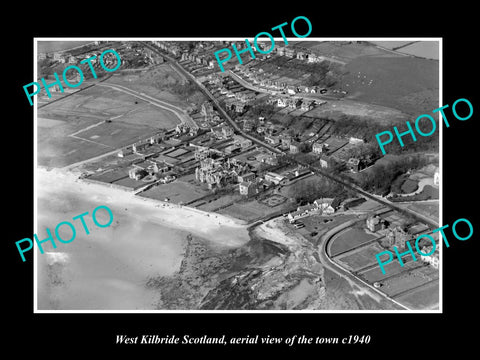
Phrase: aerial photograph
(258, 188)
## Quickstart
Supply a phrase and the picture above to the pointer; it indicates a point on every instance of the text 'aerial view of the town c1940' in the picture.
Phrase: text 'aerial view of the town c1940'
(261, 187)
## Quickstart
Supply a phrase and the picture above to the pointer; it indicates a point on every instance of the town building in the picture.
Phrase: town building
(218, 173)
(294, 147)
(285, 140)
(136, 173)
(307, 105)
(317, 148)
(356, 141)
(124, 152)
(432, 259)
(353, 164)
(273, 177)
(248, 188)
(375, 223)
(324, 162)
(282, 102)
(397, 236)
(327, 206)
(243, 142)
(271, 139)
(250, 176)
(302, 211)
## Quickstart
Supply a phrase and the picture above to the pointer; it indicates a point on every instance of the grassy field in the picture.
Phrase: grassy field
(398, 284)
(405, 83)
(371, 111)
(348, 239)
(422, 298)
(179, 191)
(74, 129)
(362, 258)
(431, 209)
(345, 51)
(392, 268)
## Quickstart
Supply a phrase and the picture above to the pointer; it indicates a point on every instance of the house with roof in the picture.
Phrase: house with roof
(294, 147)
(307, 105)
(136, 173)
(291, 89)
(317, 148)
(324, 161)
(272, 139)
(302, 211)
(290, 52)
(375, 223)
(327, 206)
(353, 164)
(249, 176)
(273, 177)
(125, 152)
(432, 259)
(294, 103)
(282, 102)
(397, 236)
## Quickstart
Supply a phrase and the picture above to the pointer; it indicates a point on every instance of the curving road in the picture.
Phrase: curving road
(179, 112)
(343, 273)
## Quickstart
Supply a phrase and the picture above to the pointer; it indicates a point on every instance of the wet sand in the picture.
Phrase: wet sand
(107, 269)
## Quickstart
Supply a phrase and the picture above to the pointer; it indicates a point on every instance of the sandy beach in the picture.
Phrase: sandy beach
(107, 269)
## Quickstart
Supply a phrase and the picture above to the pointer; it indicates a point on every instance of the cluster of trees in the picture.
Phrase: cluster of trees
(307, 191)
(323, 73)
(379, 178)
(265, 110)
(368, 129)
(187, 91)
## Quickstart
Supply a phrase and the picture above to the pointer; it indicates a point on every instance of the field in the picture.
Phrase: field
(362, 258)
(374, 112)
(317, 225)
(179, 191)
(407, 84)
(423, 297)
(398, 284)
(74, 128)
(348, 239)
(344, 51)
(153, 82)
(431, 209)
(253, 210)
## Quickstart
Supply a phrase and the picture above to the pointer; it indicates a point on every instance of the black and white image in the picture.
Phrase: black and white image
(257, 188)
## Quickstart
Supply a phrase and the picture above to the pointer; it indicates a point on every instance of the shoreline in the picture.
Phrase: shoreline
(210, 226)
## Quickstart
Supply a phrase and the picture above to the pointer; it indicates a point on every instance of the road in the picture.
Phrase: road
(343, 273)
(352, 279)
(179, 112)
(316, 170)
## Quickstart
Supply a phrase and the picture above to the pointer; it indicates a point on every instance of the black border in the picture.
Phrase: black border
(391, 332)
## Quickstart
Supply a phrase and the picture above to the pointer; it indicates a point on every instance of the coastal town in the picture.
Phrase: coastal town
(284, 144)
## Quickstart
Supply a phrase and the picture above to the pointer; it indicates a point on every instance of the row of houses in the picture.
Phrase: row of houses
(269, 81)
(295, 103)
(140, 146)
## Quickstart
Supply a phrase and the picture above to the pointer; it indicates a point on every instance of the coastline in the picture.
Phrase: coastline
(108, 268)
(199, 222)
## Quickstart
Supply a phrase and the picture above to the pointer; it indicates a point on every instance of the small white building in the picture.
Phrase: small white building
(436, 178)
(432, 259)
